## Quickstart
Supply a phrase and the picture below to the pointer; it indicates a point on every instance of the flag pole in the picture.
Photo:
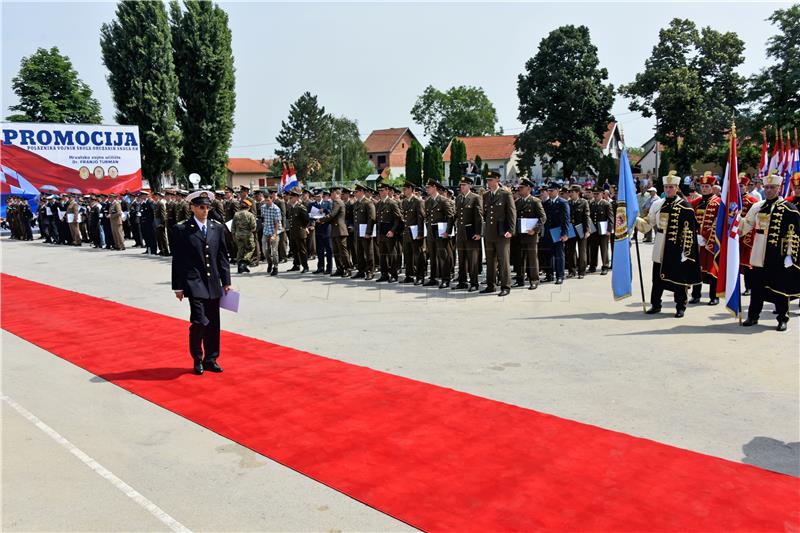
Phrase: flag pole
(639, 263)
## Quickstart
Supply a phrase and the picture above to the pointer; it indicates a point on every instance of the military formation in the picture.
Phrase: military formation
(478, 239)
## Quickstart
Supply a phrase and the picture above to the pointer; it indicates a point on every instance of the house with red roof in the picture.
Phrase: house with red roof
(386, 150)
(496, 151)
(253, 173)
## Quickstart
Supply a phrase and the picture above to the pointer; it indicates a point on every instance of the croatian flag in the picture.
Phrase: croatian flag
(775, 159)
(728, 233)
(792, 166)
(289, 179)
(764, 166)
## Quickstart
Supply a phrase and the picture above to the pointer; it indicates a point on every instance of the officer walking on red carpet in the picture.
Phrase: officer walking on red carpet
(201, 272)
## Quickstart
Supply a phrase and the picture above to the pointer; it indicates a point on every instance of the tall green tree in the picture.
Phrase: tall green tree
(433, 165)
(201, 47)
(458, 156)
(305, 138)
(564, 102)
(414, 160)
(49, 90)
(776, 89)
(137, 50)
(461, 111)
(347, 151)
(691, 86)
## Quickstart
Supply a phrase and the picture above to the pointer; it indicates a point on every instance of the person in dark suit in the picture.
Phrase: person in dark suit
(201, 272)
(557, 212)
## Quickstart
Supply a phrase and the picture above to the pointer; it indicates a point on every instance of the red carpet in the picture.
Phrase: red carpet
(438, 459)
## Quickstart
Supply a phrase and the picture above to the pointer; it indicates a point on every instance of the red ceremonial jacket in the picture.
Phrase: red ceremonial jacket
(705, 210)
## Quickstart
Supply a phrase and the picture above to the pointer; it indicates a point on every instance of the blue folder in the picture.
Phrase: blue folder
(555, 233)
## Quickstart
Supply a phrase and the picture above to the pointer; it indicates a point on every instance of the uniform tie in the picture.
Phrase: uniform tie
(203, 230)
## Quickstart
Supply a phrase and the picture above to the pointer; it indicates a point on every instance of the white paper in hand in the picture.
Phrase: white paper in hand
(230, 301)
(229, 224)
(528, 224)
(362, 230)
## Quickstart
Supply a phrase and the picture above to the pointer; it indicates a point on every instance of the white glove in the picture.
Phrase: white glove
(683, 257)
(700, 240)
(787, 262)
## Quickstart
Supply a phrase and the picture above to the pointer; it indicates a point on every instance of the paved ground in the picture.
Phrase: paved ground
(701, 383)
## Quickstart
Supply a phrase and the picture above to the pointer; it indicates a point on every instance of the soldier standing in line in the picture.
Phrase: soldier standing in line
(160, 214)
(243, 226)
(469, 227)
(413, 213)
(600, 214)
(364, 224)
(500, 220)
(576, 246)
(73, 214)
(776, 253)
(338, 228)
(528, 207)
(297, 217)
(430, 240)
(115, 219)
(148, 223)
(230, 209)
(389, 226)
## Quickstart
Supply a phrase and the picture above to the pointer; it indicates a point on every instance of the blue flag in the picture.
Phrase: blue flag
(625, 218)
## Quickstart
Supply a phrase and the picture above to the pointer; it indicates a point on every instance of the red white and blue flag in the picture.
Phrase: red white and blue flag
(728, 233)
(763, 167)
(289, 179)
(791, 166)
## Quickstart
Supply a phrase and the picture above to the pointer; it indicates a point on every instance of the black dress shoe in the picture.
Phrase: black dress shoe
(336, 274)
(369, 277)
(533, 285)
(472, 288)
(382, 279)
(519, 283)
(407, 280)
(419, 282)
(318, 271)
(488, 290)
(581, 276)
(357, 275)
(246, 269)
(504, 292)
(274, 272)
(459, 287)
(294, 269)
(604, 272)
(305, 269)
(746, 292)
(679, 313)
(212, 367)
(559, 281)
(653, 310)
(715, 301)
(570, 275)
(750, 322)
(444, 284)
(694, 301)
(198, 369)
(430, 283)
(781, 326)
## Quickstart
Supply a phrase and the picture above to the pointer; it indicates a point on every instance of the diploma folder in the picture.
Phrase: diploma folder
(230, 301)
(555, 233)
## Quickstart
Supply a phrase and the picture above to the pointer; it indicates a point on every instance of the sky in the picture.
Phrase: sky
(370, 61)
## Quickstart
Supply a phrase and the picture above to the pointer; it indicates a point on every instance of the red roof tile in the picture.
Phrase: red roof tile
(384, 140)
(491, 147)
(245, 165)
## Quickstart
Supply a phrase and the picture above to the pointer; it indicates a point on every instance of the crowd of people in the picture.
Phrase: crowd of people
(457, 238)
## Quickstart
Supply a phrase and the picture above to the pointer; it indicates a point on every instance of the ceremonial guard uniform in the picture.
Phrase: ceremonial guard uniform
(500, 221)
(413, 212)
(390, 226)
(746, 241)
(705, 211)
(528, 206)
(676, 264)
(601, 215)
(364, 217)
(577, 248)
(243, 227)
(775, 256)
(200, 272)
(469, 227)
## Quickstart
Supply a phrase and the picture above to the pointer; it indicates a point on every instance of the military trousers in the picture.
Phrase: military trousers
(759, 293)
(444, 257)
(659, 286)
(576, 255)
(469, 260)
(697, 290)
(341, 254)
(75, 232)
(431, 242)
(245, 247)
(597, 243)
(414, 256)
(204, 329)
(528, 258)
(119, 236)
(300, 252)
(283, 247)
(498, 253)
(364, 253)
(387, 253)
(161, 236)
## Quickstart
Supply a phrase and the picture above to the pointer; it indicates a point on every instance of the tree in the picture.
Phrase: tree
(414, 160)
(433, 165)
(137, 50)
(563, 102)
(462, 111)
(458, 156)
(776, 89)
(305, 137)
(607, 169)
(478, 162)
(201, 46)
(691, 86)
(49, 90)
(347, 151)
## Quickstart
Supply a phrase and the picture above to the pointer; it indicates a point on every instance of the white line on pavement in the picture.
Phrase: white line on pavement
(102, 471)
